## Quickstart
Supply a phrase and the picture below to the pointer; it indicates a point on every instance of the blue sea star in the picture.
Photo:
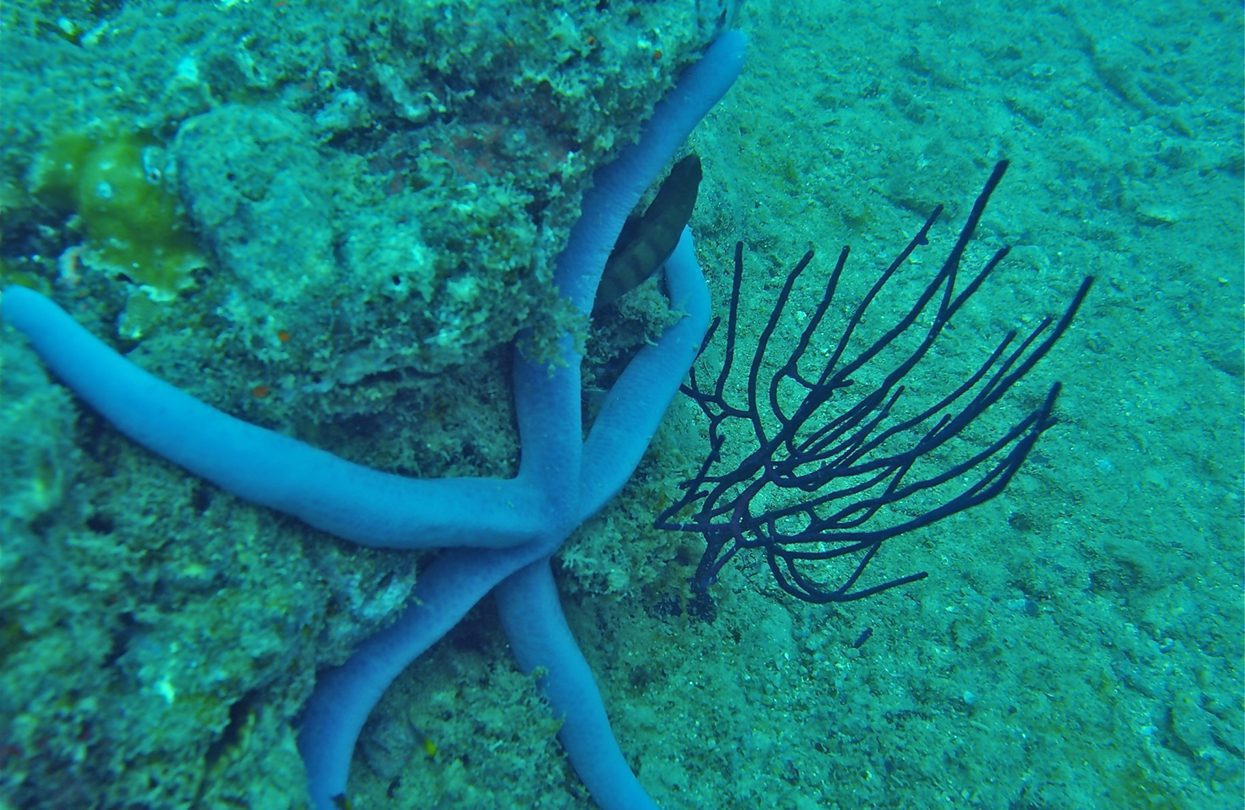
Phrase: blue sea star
(499, 534)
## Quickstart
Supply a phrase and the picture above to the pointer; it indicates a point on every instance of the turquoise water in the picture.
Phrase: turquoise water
(1078, 642)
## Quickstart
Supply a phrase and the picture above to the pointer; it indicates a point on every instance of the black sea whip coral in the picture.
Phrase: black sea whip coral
(833, 471)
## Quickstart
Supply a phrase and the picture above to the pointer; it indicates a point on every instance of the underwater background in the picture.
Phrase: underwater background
(334, 219)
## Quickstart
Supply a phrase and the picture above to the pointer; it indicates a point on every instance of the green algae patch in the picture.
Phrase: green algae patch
(10, 276)
(134, 226)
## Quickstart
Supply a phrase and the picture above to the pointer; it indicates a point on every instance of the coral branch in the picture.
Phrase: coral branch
(817, 468)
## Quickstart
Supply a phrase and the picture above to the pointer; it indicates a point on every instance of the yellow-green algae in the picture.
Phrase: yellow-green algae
(133, 223)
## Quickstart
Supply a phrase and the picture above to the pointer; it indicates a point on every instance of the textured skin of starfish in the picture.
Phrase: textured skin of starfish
(499, 534)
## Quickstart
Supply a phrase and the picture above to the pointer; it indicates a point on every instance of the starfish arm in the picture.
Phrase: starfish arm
(618, 186)
(344, 696)
(264, 467)
(637, 402)
(549, 415)
(539, 636)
